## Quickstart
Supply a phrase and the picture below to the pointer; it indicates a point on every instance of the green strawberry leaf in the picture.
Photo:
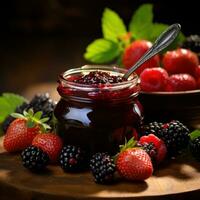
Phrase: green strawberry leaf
(18, 115)
(102, 51)
(141, 21)
(38, 115)
(195, 134)
(8, 104)
(112, 25)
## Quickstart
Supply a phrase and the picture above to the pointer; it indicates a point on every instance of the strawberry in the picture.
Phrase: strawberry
(180, 61)
(22, 130)
(49, 143)
(134, 164)
(153, 79)
(135, 51)
(160, 147)
(181, 82)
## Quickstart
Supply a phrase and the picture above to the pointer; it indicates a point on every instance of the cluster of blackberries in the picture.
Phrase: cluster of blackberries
(72, 159)
(40, 102)
(175, 135)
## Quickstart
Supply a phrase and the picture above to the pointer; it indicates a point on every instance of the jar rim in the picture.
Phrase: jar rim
(133, 79)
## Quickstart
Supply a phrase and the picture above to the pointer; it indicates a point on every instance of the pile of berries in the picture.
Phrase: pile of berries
(39, 146)
(180, 69)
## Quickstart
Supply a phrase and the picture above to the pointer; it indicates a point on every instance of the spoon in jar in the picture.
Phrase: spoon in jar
(163, 41)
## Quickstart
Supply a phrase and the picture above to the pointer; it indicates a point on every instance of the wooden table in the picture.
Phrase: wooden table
(179, 179)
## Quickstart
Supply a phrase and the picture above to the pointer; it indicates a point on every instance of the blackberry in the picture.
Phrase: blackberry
(176, 137)
(102, 167)
(72, 158)
(193, 43)
(151, 128)
(99, 77)
(40, 102)
(34, 158)
(9, 119)
(195, 148)
(150, 149)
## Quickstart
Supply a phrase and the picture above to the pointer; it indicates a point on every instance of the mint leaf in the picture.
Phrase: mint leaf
(155, 30)
(102, 51)
(8, 104)
(141, 21)
(195, 134)
(112, 25)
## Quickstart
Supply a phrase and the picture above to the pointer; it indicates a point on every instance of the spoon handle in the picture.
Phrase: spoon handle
(163, 41)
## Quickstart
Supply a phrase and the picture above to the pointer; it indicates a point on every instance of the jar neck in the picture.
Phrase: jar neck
(101, 98)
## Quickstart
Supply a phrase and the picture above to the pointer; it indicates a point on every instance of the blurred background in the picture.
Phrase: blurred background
(41, 38)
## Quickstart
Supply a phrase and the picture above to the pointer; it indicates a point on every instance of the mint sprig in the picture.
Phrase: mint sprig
(116, 37)
(142, 26)
(112, 25)
(141, 21)
(102, 50)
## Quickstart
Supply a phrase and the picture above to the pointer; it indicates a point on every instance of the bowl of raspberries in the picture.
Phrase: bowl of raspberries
(170, 83)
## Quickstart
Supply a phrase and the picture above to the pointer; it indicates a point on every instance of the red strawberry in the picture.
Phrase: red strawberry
(135, 51)
(198, 83)
(181, 82)
(21, 132)
(49, 143)
(180, 61)
(153, 79)
(160, 147)
(19, 136)
(134, 164)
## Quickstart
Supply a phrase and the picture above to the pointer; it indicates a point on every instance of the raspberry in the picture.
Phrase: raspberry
(181, 82)
(135, 51)
(157, 151)
(153, 79)
(180, 61)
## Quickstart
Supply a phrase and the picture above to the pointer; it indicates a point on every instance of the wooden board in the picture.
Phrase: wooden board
(179, 179)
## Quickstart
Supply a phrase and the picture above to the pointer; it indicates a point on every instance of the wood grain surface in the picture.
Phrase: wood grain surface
(178, 179)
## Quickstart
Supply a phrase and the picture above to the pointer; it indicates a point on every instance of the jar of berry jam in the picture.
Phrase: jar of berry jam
(98, 108)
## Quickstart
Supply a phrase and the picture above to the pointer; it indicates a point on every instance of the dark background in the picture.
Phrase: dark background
(41, 38)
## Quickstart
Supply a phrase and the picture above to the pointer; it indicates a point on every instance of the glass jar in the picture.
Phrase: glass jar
(97, 117)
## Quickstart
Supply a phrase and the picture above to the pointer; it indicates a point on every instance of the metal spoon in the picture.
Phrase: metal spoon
(163, 41)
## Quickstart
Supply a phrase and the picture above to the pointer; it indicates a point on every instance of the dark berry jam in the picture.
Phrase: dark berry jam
(98, 77)
(97, 115)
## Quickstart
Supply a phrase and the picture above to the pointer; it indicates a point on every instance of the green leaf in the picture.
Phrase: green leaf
(155, 30)
(18, 115)
(102, 51)
(38, 115)
(8, 104)
(112, 25)
(195, 134)
(141, 21)
(44, 119)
